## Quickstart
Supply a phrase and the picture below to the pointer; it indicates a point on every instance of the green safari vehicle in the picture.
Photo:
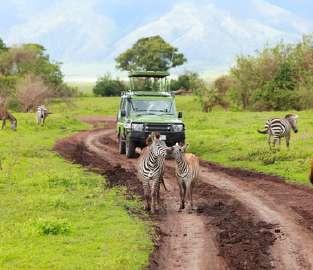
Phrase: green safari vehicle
(146, 107)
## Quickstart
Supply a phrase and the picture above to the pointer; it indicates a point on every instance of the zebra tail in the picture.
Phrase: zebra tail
(262, 131)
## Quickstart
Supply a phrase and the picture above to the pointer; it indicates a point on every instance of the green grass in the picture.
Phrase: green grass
(83, 87)
(56, 215)
(230, 138)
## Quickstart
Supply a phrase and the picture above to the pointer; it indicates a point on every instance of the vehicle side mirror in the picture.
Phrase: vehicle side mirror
(180, 115)
(123, 113)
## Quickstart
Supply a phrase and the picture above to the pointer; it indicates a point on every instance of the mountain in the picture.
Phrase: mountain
(87, 35)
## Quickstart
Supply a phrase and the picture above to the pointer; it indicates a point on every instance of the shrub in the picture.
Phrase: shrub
(53, 226)
(31, 91)
(107, 86)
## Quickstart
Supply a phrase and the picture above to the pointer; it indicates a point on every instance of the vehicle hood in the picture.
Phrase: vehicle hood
(166, 119)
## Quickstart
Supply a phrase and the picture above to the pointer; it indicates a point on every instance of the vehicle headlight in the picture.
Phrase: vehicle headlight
(128, 125)
(178, 127)
(137, 127)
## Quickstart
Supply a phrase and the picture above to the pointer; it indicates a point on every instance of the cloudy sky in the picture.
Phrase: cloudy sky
(86, 35)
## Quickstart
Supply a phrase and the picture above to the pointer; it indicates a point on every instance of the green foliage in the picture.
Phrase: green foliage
(150, 53)
(53, 226)
(30, 60)
(107, 86)
(3, 47)
(185, 81)
(277, 78)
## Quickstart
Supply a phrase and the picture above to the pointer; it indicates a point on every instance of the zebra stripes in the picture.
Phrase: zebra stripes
(278, 128)
(41, 114)
(187, 172)
(150, 170)
(6, 115)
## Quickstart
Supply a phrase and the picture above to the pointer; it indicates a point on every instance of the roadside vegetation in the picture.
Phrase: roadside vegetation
(231, 138)
(56, 215)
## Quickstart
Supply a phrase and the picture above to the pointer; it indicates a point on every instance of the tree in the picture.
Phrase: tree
(32, 92)
(107, 86)
(185, 81)
(3, 47)
(150, 53)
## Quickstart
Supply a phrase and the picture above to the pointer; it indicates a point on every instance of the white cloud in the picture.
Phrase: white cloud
(281, 17)
(74, 27)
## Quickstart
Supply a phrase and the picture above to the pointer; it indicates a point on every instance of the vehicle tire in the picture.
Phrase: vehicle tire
(130, 149)
(121, 145)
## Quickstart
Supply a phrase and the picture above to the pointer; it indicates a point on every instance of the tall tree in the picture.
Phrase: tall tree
(150, 53)
(3, 47)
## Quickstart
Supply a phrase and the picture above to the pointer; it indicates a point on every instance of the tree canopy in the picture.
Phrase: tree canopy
(150, 53)
(29, 64)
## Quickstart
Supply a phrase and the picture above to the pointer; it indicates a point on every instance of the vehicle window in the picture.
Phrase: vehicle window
(153, 106)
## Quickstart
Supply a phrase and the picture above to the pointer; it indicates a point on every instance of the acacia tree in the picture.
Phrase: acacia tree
(150, 53)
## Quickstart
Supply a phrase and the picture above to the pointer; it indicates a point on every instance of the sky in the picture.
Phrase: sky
(86, 35)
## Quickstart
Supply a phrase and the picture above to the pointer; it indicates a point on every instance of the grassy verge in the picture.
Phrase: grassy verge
(56, 215)
(230, 138)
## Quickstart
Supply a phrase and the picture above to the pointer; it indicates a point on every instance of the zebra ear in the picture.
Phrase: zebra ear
(184, 148)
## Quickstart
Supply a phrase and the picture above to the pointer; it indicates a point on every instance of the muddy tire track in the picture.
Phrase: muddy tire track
(243, 220)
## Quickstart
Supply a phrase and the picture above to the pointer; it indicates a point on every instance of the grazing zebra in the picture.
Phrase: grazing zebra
(150, 169)
(187, 172)
(41, 114)
(6, 115)
(280, 127)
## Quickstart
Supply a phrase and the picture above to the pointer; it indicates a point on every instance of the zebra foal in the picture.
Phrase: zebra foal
(41, 114)
(187, 173)
(150, 170)
(278, 128)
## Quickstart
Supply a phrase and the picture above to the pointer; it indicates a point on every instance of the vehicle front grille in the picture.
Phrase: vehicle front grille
(157, 127)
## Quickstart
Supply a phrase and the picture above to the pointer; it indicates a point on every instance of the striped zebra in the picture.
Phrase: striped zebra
(150, 170)
(6, 115)
(278, 128)
(41, 114)
(187, 173)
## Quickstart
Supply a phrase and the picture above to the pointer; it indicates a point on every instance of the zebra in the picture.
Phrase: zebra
(41, 114)
(187, 173)
(6, 115)
(280, 127)
(150, 170)
(145, 151)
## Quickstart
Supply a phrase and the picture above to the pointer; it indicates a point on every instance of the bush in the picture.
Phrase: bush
(107, 86)
(31, 91)
(53, 226)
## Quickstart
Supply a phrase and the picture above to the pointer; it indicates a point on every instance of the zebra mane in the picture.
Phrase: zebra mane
(289, 115)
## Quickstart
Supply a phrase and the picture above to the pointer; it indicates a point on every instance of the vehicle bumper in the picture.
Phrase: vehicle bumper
(139, 138)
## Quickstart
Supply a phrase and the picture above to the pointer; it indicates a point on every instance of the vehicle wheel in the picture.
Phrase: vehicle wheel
(121, 145)
(130, 149)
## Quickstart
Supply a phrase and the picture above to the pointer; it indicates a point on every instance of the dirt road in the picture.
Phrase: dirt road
(243, 220)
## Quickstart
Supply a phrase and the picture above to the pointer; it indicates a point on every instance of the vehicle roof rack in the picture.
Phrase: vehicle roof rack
(152, 74)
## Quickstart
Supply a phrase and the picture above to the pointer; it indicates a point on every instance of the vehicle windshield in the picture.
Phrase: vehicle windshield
(152, 106)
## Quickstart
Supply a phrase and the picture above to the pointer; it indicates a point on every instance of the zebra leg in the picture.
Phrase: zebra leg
(287, 141)
(276, 141)
(188, 195)
(269, 141)
(181, 194)
(146, 192)
(153, 198)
